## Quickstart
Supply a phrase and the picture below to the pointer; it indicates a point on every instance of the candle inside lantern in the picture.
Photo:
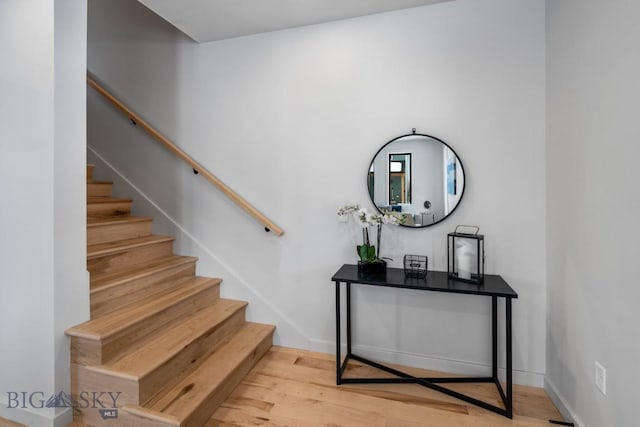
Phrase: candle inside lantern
(464, 252)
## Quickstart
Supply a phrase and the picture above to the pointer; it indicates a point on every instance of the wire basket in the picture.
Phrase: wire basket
(415, 266)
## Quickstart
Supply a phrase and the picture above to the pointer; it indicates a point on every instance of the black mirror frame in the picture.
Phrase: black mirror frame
(443, 143)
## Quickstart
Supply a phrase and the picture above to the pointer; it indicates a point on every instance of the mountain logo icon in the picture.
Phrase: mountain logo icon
(60, 400)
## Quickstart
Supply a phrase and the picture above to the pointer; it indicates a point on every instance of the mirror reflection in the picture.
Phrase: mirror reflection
(419, 176)
(399, 178)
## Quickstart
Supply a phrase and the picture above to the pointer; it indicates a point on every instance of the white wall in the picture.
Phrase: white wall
(306, 109)
(26, 172)
(42, 244)
(593, 208)
(71, 284)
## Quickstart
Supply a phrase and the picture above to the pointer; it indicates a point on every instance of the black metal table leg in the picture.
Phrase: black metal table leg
(338, 364)
(509, 402)
(348, 319)
(494, 337)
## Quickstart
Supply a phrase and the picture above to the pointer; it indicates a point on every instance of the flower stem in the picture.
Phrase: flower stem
(378, 241)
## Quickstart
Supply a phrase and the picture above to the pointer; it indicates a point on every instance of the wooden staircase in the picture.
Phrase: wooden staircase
(159, 335)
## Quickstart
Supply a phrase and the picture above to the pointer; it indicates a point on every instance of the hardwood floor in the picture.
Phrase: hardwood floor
(7, 423)
(297, 388)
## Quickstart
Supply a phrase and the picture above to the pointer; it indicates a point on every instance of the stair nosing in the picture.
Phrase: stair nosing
(200, 283)
(119, 246)
(96, 200)
(99, 369)
(116, 220)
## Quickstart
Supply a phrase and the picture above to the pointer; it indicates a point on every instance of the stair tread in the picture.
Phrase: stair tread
(98, 199)
(103, 281)
(183, 399)
(107, 326)
(101, 249)
(101, 182)
(162, 348)
(99, 222)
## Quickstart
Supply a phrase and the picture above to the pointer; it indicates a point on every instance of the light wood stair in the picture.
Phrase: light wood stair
(103, 230)
(159, 335)
(100, 207)
(110, 257)
(138, 282)
(185, 404)
(98, 188)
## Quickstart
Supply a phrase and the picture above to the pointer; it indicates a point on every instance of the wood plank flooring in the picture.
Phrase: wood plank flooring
(297, 388)
(7, 423)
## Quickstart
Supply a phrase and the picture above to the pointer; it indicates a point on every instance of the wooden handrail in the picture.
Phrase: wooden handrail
(268, 224)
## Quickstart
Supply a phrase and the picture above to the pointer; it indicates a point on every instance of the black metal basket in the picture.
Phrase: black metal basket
(415, 266)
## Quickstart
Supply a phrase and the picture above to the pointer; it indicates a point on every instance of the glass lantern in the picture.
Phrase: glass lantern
(465, 255)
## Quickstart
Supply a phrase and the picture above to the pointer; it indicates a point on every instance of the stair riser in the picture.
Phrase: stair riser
(89, 172)
(135, 256)
(91, 352)
(131, 291)
(86, 381)
(115, 232)
(138, 392)
(99, 189)
(209, 406)
(105, 210)
(85, 351)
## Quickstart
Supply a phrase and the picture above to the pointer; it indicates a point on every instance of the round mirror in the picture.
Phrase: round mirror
(419, 176)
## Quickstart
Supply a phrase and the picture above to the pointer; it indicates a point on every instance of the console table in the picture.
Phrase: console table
(493, 287)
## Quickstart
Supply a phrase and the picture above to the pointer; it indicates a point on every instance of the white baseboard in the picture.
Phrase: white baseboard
(561, 404)
(34, 417)
(422, 361)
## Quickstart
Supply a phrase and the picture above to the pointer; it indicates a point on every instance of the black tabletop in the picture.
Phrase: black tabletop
(438, 281)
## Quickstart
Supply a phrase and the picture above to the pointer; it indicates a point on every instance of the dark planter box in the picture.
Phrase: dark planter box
(377, 268)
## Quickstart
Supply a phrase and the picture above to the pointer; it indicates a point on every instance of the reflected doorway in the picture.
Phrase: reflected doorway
(399, 178)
